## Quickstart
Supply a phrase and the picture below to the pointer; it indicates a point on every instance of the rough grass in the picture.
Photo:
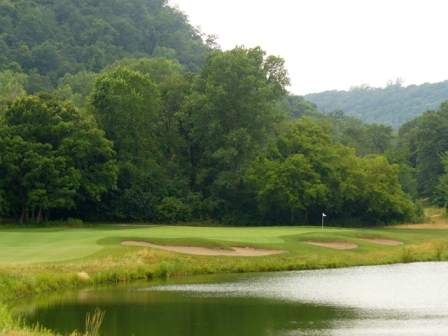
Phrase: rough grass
(436, 219)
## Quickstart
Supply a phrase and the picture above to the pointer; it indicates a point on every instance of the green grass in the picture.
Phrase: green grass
(61, 245)
(51, 245)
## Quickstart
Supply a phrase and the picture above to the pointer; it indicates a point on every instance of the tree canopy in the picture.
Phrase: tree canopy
(49, 152)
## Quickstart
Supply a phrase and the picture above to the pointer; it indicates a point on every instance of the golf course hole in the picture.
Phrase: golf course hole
(237, 251)
(335, 245)
(383, 241)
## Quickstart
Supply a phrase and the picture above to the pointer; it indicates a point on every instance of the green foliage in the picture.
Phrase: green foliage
(305, 170)
(173, 210)
(76, 88)
(425, 137)
(441, 191)
(49, 152)
(69, 36)
(126, 104)
(390, 106)
(158, 68)
(6, 320)
(232, 113)
(365, 138)
(297, 107)
(382, 196)
(11, 86)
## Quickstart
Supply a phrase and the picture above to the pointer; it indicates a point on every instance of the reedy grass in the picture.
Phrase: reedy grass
(93, 322)
(16, 327)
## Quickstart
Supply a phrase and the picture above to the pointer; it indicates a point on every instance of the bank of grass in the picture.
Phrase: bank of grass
(436, 219)
(38, 260)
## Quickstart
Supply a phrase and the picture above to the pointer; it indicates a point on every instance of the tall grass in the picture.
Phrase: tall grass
(93, 323)
(436, 219)
(15, 327)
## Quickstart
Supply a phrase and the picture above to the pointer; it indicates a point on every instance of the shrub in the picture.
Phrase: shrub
(173, 210)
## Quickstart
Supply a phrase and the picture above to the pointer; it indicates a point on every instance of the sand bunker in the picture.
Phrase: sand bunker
(237, 251)
(383, 241)
(334, 245)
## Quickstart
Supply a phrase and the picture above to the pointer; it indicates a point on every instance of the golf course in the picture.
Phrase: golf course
(37, 259)
(34, 260)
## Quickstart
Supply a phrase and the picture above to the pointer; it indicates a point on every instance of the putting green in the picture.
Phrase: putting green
(50, 245)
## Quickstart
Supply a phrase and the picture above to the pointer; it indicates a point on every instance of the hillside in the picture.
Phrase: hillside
(50, 38)
(391, 106)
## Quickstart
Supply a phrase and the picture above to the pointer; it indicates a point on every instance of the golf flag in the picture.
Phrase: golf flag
(324, 215)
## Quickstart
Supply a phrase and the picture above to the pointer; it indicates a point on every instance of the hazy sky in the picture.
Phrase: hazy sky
(334, 44)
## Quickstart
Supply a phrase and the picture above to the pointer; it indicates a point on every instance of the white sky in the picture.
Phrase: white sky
(334, 44)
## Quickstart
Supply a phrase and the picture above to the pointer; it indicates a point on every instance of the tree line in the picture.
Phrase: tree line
(155, 143)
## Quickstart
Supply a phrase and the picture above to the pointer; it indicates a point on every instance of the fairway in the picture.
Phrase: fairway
(60, 244)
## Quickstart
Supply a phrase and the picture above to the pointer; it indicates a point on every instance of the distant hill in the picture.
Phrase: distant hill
(391, 106)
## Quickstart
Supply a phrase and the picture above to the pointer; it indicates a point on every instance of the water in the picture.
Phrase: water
(405, 299)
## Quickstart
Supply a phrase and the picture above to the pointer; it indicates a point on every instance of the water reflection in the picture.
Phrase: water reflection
(381, 300)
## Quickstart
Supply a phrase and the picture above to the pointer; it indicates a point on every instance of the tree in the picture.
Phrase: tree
(441, 192)
(11, 86)
(158, 68)
(233, 113)
(289, 185)
(305, 170)
(126, 105)
(380, 137)
(382, 198)
(49, 153)
(426, 138)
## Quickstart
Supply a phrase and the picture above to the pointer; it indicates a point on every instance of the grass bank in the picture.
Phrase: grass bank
(37, 260)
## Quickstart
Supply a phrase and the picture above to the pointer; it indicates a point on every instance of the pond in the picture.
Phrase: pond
(403, 299)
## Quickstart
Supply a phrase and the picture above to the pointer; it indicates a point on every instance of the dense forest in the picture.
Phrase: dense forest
(168, 128)
(392, 106)
(44, 43)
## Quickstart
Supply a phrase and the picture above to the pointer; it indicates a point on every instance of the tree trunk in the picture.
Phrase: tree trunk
(306, 215)
(22, 215)
(39, 215)
(292, 217)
